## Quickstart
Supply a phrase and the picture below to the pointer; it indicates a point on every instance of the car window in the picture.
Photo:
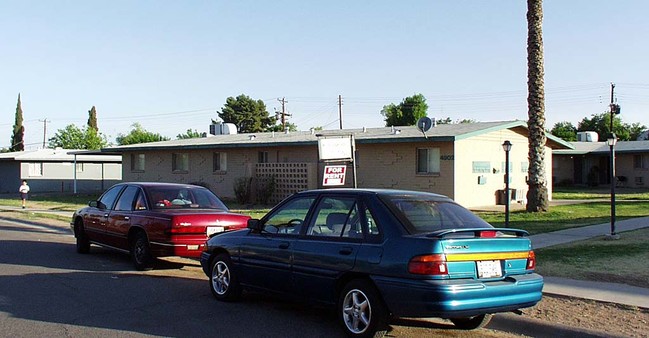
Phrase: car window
(184, 197)
(140, 202)
(336, 217)
(431, 215)
(127, 199)
(288, 219)
(107, 200)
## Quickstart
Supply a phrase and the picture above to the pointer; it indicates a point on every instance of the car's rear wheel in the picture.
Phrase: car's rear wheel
(361, 310)
(83, 243)
(141, 252)
(472, 323)
(223, 281)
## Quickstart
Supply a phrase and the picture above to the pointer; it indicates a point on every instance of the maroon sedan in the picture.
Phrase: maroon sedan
(151, 220)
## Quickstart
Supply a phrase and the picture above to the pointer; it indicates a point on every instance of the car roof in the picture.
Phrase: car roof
(159, 184)
(379, 192)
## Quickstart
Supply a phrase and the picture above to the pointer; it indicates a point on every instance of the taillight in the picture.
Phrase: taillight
(428, 265)
(531, 260)
(487, 233)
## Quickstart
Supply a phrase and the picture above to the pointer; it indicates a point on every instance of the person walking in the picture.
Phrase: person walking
(24, 191)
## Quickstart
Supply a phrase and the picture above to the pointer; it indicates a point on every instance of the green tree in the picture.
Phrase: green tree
(448, 120)
(565, 131)
(191, 134)
(18, 136)
(601, 123)
(71, 137)
(537, 194)
(406, 113)
(92, 119)
(248, 115)
(279, 128)
(139, 135)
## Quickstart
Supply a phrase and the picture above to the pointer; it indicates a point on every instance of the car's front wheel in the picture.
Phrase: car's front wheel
(472, 323)
(141, 253)
(361, 310)
(83, 243)
(223, 280)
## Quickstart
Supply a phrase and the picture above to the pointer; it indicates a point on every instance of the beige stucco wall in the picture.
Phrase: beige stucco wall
(488, 148)
(394, 165)
(379, 165)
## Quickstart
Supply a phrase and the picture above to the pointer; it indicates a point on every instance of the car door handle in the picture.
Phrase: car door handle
(105, 215)
(346, 251)
(126, 218)
(283, 245)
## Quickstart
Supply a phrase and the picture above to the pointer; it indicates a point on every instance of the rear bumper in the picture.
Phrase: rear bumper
(183, 246)
(459, 298)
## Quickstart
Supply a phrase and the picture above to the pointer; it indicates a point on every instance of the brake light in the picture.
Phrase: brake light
(428, 265)
(487, 233)
(531, 260)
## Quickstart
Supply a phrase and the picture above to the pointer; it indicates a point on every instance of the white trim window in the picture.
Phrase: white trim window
(428, 161)
(219, 162)
(641, 161)
(35, 169)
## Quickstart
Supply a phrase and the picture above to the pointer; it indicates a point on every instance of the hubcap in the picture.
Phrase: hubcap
(220, 278)
(357, 311)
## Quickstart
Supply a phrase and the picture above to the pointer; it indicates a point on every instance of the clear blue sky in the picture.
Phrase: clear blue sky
(170, 65)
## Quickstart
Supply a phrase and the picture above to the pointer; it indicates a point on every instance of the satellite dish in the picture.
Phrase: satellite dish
(424, 124)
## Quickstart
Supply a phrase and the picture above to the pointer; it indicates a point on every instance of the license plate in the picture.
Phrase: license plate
(489, 269)
(212, 230)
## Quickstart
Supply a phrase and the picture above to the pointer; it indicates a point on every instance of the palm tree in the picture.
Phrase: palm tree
(537, 194)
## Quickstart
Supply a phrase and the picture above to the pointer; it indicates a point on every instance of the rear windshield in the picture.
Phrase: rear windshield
(428, 215)
(184, 197)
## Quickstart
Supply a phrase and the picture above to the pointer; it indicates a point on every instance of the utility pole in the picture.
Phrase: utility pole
(340, 110)
(283, 114)
(44, 130)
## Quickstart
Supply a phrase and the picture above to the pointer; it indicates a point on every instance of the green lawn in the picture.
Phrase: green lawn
(616, 261)
(568, 216)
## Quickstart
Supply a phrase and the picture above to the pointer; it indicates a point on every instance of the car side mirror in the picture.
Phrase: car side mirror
(254, 224)
(93, 204)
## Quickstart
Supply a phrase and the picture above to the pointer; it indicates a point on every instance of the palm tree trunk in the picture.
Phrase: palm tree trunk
(537, 194)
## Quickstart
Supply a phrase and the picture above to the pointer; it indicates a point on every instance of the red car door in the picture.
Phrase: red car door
(119, 219)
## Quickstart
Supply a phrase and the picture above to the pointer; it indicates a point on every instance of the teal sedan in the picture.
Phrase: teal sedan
(377, 255)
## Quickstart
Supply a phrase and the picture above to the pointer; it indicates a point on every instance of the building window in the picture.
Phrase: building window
(641, 161)
(511, 167)
(219, 162)
(481, 167)
(180, 162)
(428, 161)
(35, 169)
(79, 167)
(263, 157)
(137, 162)
(526, 165)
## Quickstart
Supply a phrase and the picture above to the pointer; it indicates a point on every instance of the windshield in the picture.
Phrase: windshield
(428, 215)
(184, 197)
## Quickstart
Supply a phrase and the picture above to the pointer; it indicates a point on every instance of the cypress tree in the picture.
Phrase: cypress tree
(18, 136)
(92, 119)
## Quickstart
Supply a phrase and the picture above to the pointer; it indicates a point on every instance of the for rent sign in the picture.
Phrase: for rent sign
(334, 175)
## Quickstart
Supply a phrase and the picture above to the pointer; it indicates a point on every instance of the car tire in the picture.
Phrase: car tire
(83, 243)
(141, 252)
(224, 282)
(361, 310)
(472, 323)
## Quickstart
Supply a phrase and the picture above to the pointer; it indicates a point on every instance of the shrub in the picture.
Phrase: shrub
(242, 189)
(265, 189)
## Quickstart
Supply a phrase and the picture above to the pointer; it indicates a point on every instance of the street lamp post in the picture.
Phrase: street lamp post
(612, 139)
(507, 146)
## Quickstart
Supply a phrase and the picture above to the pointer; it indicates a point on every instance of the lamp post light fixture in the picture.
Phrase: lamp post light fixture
(507, 146)
(611, 141)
